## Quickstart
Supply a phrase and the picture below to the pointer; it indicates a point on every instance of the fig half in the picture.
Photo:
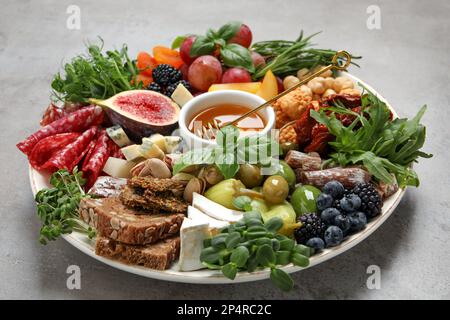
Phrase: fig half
(141, 112)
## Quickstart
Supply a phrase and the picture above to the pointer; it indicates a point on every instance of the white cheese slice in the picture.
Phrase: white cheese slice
(172, 143)
(119, 136)
(150, 149)
(215, 210)
(192, 234)
(159, 140)
(214, 225)
(131, 153)
(181, 95)
(118, 168)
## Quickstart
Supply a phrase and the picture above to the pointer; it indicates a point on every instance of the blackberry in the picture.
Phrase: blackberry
(165, 74)
(371, 201)
(171, 88)
(155, 87)
(312, 227)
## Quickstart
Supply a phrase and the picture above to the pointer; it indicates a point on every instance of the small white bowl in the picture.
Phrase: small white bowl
(209, 99)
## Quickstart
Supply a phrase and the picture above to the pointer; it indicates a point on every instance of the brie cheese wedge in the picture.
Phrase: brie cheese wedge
(192, 234)
(215, 210)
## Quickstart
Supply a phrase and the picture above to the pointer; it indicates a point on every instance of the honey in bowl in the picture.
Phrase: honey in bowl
(226, 113)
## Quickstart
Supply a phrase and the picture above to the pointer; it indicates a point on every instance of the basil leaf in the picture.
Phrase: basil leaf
(211, 34)
(228, 170)
(229, 30)
(235, 55)
(195, 156)
(201, 46)
(281, 279)
(176, 43)
(232, 240)
(239, 256)
(229, 270)
(265, 256)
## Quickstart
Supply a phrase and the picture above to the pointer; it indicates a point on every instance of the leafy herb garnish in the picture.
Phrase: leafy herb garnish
(57, 207)
(231, 151)
(287, 57)
(383, 146)
(231, 54)
(96, 75)
(250, 244)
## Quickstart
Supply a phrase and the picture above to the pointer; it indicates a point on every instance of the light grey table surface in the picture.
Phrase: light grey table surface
(407, 60)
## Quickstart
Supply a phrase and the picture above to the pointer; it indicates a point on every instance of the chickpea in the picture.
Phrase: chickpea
(316, 85)
(290, 81)
(302, 73)
(328, 93)
(306, 90)
(350, 91)
(328, 83)
(341, 83)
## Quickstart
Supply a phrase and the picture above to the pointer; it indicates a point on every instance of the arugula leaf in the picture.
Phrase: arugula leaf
(383, 146)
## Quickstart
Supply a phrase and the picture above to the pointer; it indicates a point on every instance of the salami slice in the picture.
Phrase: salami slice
(47, 147)
(94, 163)
(71, 154)
(115, 151)
(77, 121)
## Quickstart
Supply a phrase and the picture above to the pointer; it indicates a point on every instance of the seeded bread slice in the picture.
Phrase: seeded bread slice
(159, 255)
(114, 220)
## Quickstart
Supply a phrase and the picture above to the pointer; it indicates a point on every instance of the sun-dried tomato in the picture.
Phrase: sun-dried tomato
(320, 139)
(348, 100)
(303, 127)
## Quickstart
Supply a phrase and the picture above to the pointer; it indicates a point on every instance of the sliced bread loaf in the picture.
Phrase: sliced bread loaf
(114, 220)
(159, 255)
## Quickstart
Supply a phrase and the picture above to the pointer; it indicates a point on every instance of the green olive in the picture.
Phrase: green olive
(275, 189)
(249, 175)
(288, 173)
(287, 146)
(304, 198)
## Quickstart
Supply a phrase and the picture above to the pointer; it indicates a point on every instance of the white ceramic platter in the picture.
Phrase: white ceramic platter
(39, 181)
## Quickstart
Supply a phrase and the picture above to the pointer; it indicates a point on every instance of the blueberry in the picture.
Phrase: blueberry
(329, 214)
(334, 188)
(343, 222)
(358, 221)
(333, 236)
(324, 201)
(315, 243)
(350, 203)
